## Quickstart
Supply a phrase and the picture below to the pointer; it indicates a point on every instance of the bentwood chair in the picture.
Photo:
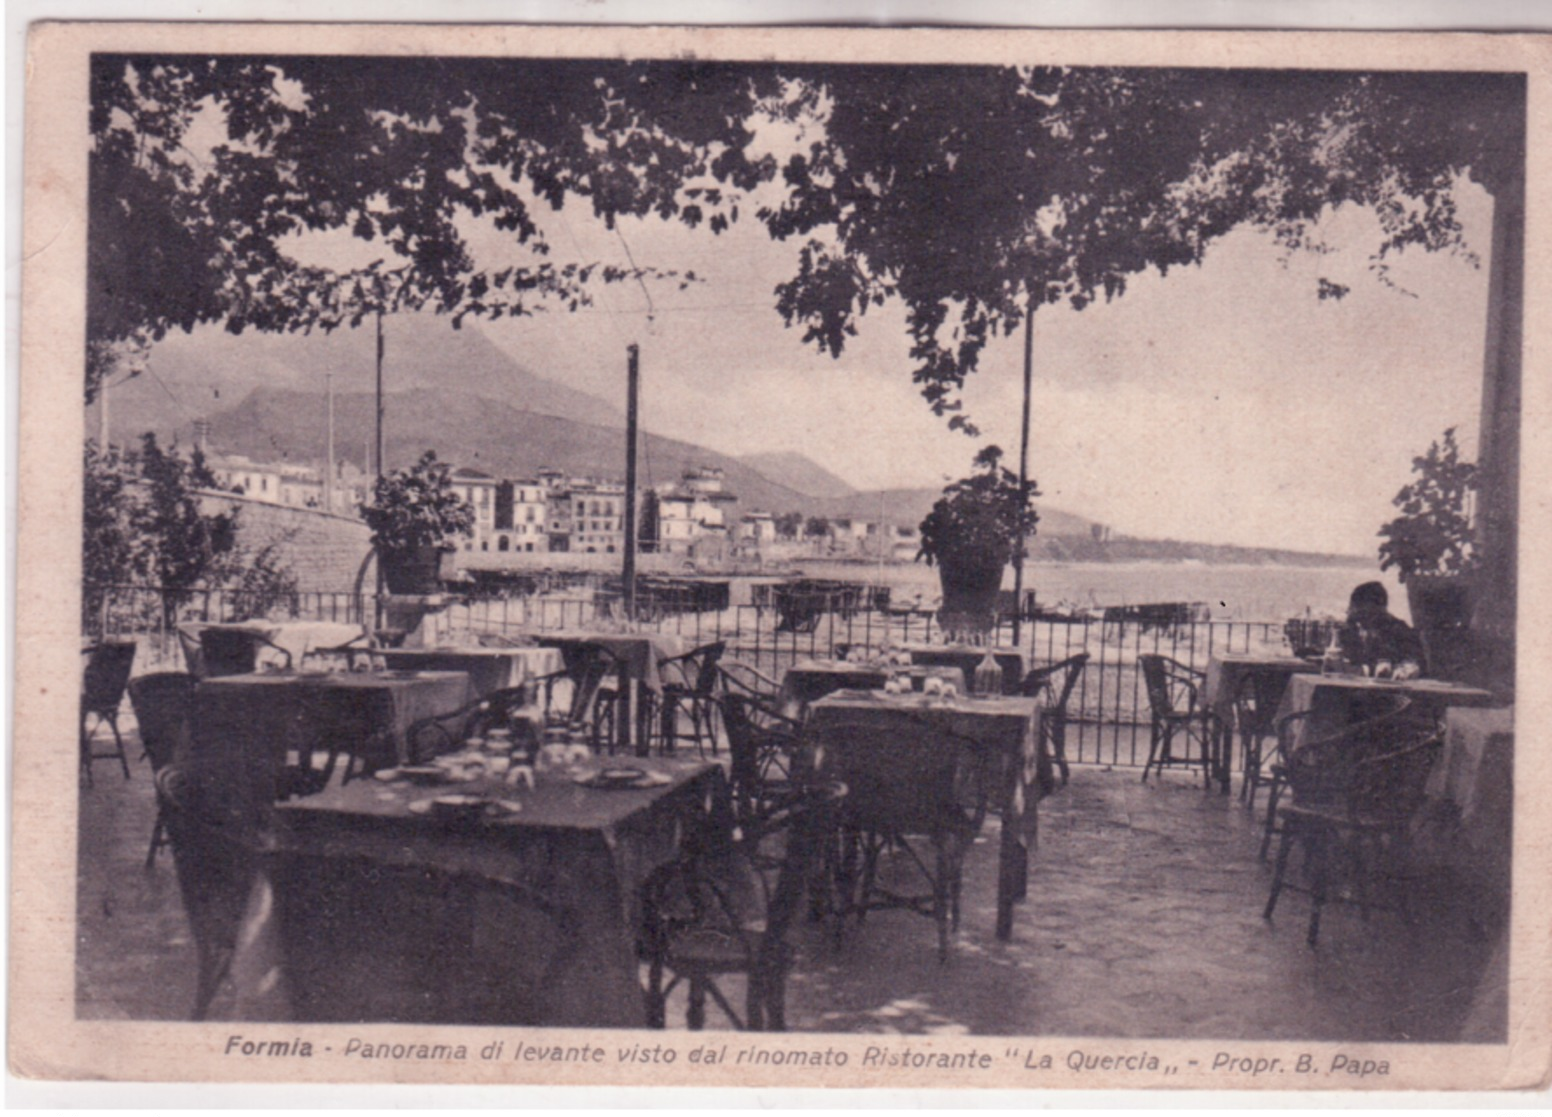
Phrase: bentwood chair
(162, 703)
(1177, 714)
(1055, 684)
(726, 907)
(903, 787)
(102, 692)
(1354, 796)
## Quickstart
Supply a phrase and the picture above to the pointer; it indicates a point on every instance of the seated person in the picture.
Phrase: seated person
(1372, 636)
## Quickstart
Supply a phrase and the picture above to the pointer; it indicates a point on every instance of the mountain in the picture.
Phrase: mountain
(465, 429)
(910, 506)
(194, 376)
(796, 471)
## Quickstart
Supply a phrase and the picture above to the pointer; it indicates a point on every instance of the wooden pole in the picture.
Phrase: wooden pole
(379, 609)
(1023, 473)
(632, 401)
(328, 472)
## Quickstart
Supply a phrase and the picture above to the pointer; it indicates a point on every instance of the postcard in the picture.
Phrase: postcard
(804, 557)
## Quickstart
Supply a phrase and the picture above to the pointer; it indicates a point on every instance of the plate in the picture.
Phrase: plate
(618, 779)
(464, 808)
(422, 774)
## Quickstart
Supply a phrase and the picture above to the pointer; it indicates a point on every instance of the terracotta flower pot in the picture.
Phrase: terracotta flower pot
(970, 592)
(412, 572)
(1441, 607)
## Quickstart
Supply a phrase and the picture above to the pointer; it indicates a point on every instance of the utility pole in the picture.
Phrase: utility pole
(1023, 474)
(102, 414)
(328, 472)
(379, 395)
(379, 563)
(632, 401)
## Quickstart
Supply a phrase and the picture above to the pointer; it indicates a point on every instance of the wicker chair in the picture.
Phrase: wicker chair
(725, 908)
(1174, 700)
(1055, 684)
(901, 787)
(215, 846)
(500, 709)
(590, 675)
(691, 688)
(162, 704)
(1354, 795)
(102, 692)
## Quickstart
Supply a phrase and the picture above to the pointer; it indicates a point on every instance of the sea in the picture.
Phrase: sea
(1237, 592)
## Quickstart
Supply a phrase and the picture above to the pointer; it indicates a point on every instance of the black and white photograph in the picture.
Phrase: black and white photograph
(984, 559)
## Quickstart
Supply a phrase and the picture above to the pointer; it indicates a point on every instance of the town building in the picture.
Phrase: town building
(691, 513)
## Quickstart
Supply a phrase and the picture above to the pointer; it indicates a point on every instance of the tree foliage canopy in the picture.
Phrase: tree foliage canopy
(972, 194)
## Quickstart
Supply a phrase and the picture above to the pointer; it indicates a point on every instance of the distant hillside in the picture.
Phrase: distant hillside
(910, 506)
(198, 375)
(798, 472)
(468, 430)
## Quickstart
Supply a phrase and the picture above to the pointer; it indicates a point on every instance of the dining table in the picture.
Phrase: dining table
(373, 907)
(1471, 793)
(1007, 728)
(809, 680)
(297, 639)
(1336, 701)
(489, 669)
(641, 657)
(262, 718)
(968, 657)
(1227, 674)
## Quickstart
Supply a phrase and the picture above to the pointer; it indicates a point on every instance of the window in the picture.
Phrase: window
(503, 544)
(484, 544)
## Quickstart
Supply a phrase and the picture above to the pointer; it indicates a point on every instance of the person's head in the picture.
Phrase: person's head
(1369, 599)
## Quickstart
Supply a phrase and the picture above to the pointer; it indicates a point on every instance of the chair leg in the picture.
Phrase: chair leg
(656, 998)
(1274, 793)
(1283, 848)
(86, 751)
(118, 744)
(940, 899)
(1319, 842)
(696, 1018)
(158, 836)
(1059, 747)
(1155, 743)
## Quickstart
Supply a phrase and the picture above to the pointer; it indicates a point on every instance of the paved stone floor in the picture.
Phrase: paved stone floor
(1143, 921)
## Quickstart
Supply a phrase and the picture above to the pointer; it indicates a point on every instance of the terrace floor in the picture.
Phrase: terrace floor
(1143, 921)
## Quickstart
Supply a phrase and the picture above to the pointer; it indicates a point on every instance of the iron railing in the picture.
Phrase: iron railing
(1108, 716)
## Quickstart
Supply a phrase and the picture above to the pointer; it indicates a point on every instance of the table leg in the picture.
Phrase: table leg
(1018, 834)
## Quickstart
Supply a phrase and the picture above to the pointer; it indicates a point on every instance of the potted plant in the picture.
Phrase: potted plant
(972, 532)
(1431, 547)
(413, 515)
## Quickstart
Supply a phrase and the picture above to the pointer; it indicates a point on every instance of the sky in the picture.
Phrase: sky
(1223, 403)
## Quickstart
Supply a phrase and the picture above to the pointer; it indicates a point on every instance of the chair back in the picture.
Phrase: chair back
(163, 703)
(590, 666)
(1256, 701)
(1329, 771)
(706, 659)
(1164, 680)
(1055, 682)
(216, 841)
(226, 651)
(906, 779)
(766, 756)
(107, 674)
